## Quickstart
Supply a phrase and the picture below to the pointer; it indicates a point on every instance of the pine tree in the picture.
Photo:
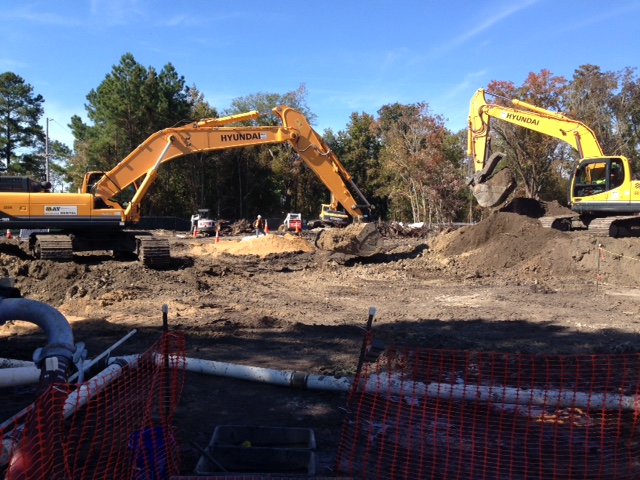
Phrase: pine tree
(20, 110)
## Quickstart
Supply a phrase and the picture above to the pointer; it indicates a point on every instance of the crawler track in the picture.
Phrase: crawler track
(154, 251)
(54, 247)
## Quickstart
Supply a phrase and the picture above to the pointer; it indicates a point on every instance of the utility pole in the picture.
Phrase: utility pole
(46, 151)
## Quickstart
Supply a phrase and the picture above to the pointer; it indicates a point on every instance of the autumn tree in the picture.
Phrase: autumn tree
(420, 163)
(20, 110)
(358, 148)
(537, 159)
(627, 108)
(609, 103)
(590, 98)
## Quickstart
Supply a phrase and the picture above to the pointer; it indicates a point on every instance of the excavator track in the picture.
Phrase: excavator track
(621, 226)
(559, 222)
(53, 247)
(154, 251)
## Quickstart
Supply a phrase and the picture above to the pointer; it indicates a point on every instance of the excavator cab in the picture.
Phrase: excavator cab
(596, 176)
(89, 181)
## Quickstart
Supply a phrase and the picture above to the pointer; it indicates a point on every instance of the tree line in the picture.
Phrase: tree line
(403, 158)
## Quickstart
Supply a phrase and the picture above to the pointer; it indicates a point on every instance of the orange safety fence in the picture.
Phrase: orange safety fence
(417, 413)
(115, 425)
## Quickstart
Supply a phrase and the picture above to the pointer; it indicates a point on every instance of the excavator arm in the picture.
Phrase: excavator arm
(492, 191)
(95, 219)
(140, 167)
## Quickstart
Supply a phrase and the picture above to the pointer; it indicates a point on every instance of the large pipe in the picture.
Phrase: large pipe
(14, 373)
(56, 357)
(255, 374)
(266, 375)
(17, 376)
(385, 383)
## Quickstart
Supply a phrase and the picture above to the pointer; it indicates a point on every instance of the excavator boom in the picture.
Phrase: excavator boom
(82, 219)
(215, 134)
(492, 191)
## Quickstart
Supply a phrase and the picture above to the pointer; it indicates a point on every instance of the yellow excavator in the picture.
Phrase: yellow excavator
(602, 191)
(93, 219)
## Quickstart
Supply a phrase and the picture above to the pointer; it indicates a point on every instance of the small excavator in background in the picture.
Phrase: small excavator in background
(201, 224)
(330, 216)
(100, 218)
(602, 192)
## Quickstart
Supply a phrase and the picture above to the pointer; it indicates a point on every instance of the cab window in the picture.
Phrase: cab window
(597, 177)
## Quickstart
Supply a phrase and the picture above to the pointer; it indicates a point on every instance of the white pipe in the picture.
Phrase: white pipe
(395, 385)
(78, 398)
(10, 363)
(75, 400)
(87, 366)
(254, 374)
(392, 385)
(13, 377)
(263, 375)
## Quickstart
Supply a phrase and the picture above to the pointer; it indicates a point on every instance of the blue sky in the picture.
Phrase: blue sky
(353, 56)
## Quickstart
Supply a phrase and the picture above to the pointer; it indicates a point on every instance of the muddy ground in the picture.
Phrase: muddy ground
(504, 284)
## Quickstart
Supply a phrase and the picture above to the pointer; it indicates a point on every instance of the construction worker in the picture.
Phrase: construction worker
(259, 226)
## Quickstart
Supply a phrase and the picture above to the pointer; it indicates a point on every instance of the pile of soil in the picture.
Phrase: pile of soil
(252, 245)
(504, 284)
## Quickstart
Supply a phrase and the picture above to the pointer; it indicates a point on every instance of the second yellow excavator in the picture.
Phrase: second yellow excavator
(602, 191)
(94, 219)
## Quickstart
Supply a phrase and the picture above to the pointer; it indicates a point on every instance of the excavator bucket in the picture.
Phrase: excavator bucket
(494, 191)
(359, 239)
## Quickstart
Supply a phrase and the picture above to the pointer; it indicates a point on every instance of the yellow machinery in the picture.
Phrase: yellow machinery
(94, 220)
(602, 191)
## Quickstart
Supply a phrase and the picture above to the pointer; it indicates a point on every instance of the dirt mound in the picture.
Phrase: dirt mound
(252, 245)
(553, 209)
(497, 231)
(517, 249)
(535, 208)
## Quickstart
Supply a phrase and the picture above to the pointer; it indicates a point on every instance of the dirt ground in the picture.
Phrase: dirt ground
(504, 284)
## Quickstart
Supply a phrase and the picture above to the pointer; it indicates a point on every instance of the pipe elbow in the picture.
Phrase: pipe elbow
(54, 324)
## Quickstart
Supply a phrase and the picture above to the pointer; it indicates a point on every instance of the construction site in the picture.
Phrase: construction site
(503, 290)
(352, 348)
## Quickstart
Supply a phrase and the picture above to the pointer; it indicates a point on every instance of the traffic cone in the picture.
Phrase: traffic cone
(217, 237)
(298, 230)
(9, 235)
(195, 232)
(266, 226)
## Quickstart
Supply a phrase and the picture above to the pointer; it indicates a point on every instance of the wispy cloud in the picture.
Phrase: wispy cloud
(604, 16)
(31, 15)
(453, 102)
(471, 81)
(117, 12)
(496, 17)
(188, 20)
(8, 64)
